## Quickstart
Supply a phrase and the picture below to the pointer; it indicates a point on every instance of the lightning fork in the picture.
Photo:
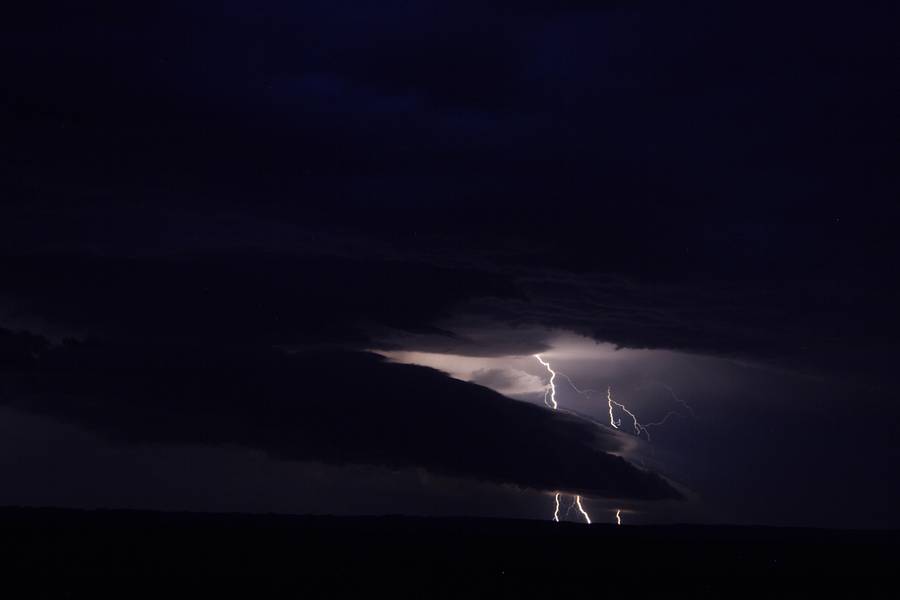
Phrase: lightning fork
(638, 427)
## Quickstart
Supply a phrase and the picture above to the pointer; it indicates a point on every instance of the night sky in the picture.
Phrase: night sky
(298, 257)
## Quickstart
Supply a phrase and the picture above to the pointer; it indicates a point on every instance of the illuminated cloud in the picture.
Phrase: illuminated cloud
(509, 382)
(333, 407)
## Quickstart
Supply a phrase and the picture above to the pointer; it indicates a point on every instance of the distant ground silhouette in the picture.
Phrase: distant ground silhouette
(435, 557)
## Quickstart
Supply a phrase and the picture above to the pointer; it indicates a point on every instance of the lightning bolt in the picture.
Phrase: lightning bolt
(638, 427)
(550, 392)
(586, 516)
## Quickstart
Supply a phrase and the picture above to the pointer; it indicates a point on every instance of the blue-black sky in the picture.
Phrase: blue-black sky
(213, 214)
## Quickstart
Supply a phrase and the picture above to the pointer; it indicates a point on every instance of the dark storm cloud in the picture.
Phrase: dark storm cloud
(471, 336)
(629, 100)
(799, 321)
(491, 307)
(335, 407)
(244, 298)
(639, 138)
(20, 350)
(460, 177)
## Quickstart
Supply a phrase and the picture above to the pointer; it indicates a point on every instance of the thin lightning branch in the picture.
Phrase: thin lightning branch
(662, 421)
(687, 406)
(672, 393)
(556, 512)
(585, 392)
(619, 516)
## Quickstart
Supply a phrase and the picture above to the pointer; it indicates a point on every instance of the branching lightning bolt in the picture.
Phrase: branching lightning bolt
(638, 427)
(550, 392)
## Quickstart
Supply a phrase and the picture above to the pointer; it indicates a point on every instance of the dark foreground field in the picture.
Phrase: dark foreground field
(55, 549)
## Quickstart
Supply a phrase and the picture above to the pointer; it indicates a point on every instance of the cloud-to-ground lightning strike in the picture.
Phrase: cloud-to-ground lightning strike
(586, 516)
(638, 427)
(551, 387)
